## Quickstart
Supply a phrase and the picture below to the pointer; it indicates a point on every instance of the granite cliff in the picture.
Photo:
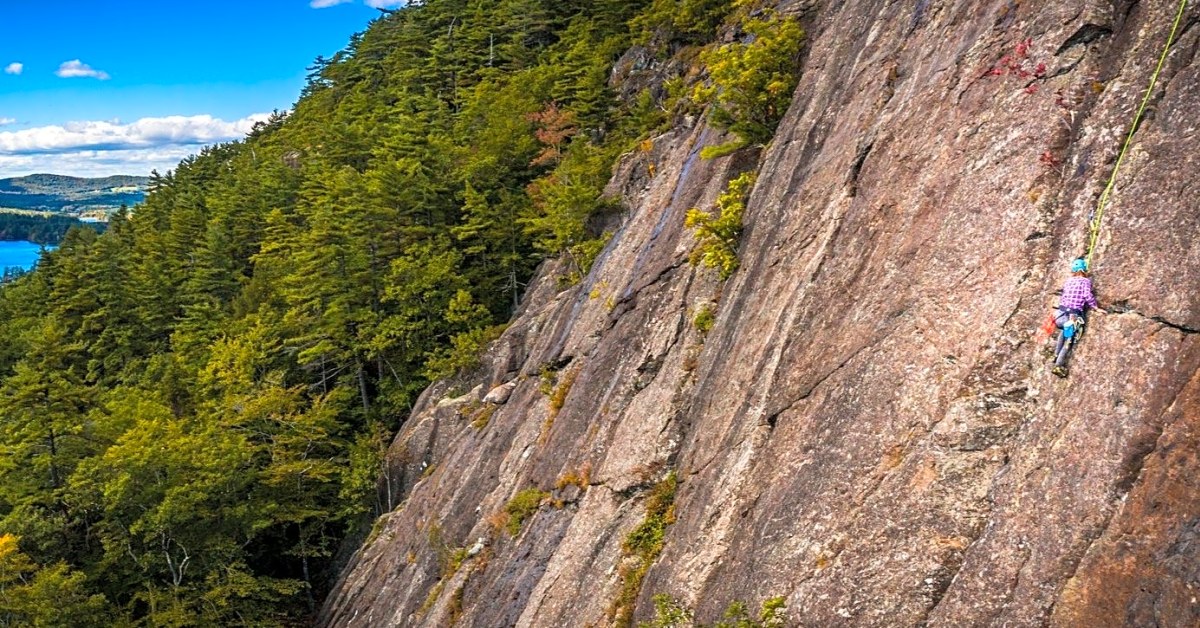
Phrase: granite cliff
(870, 428)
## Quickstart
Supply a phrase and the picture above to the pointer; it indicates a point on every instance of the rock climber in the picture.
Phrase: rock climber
(1077, 299)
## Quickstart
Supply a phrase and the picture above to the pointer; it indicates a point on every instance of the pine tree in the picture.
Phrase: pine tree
(43, 425)
(50, 596)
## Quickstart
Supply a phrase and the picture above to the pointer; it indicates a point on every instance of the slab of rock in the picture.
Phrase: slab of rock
(459, 400)
(500, 394)
(869, 429)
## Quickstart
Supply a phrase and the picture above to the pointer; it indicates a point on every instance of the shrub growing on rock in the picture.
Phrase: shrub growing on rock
(717, 236)
(521, 507)
(642, 547)
(752, 80)
(705, 319)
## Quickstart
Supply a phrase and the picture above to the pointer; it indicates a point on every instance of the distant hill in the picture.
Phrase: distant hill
(76, 196)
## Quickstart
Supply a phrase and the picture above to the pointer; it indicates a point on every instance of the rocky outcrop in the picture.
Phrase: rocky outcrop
(870, 428)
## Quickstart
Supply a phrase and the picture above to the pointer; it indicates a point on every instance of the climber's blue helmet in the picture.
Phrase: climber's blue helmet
(1079, 266)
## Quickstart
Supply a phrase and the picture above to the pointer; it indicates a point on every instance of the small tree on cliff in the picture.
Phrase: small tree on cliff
(752, 80)
(717, 237)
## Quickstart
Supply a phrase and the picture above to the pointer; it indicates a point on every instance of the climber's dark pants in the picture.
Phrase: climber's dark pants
(1063, 348)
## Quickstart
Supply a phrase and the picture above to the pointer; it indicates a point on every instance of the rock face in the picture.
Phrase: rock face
(870, 429)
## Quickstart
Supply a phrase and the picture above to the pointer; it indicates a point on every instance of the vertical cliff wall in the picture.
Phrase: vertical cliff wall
(870, 428)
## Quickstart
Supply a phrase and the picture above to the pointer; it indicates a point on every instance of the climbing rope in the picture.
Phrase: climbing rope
(1098, 215)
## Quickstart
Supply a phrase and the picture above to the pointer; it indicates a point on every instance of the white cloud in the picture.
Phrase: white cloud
(112, 135)
(7, 121)
(95, 163)
(78, 69)
(14, 68)
(100, 148)
(378, 4)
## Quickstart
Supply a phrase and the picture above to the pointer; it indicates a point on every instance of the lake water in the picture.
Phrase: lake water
(19, 253)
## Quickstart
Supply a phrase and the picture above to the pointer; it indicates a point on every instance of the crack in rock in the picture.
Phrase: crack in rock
(1085, 35)
(774, 416)
(1122, 307)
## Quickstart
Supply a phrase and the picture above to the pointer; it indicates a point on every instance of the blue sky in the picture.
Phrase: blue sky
(98, 87)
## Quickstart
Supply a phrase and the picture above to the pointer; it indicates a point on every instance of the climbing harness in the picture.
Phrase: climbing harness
(1072, 327)
(1098, 215)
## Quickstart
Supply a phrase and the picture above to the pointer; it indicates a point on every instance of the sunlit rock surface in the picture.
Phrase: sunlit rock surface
(870, 429)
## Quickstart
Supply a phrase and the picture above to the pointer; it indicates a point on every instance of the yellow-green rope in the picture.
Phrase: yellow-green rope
(1094, 227)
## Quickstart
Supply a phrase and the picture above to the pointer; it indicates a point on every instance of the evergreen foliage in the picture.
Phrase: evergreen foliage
(51, 596)
(752, 80)
(681, 21)
(643, 545)
(38, 228)
(717, 237)
(521, 507)
(669, 613)
(705, 318)
(771, 615)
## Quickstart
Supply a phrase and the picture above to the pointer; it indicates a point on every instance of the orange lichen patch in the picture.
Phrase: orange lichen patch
(956, 543)
(925, 476)
(892, 457)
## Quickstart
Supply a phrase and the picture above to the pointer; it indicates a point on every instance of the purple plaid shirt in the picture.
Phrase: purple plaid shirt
(1076, 293)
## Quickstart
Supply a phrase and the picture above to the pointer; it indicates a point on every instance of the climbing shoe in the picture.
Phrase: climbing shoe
(1060, 371)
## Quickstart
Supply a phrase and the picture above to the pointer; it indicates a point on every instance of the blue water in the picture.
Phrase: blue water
(19, 254)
